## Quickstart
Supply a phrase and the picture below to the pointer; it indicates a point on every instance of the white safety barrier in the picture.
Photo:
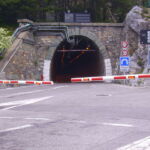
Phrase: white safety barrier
(26, 82)
(108, 78)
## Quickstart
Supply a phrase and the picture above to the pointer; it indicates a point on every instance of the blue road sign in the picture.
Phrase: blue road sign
(124, 61)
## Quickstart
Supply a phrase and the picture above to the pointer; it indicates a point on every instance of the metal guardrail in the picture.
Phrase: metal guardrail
(21, 29)
(62, 30)
(59, 29)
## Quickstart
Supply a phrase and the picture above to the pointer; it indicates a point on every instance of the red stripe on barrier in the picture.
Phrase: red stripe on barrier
(144, 76)
(97, 79)
(47, 82)
(76, 80)
(1, 81)
(29, 82)
(120, 78)
(14, 82)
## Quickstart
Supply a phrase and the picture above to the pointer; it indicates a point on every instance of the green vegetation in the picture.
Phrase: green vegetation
(5, 40)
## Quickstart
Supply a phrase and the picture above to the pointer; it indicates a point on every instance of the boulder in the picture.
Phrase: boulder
(135, 21)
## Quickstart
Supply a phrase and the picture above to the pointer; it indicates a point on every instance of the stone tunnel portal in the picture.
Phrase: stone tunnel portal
(80, 58)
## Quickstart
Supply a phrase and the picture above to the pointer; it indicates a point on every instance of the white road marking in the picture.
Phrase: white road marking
(138, 145)
(108, 124)
(17, 128)
(117, 124)
(21, 93)
(19, 87)
(58, 87)
(23, 102)
(76, 121)
(7, 117)
(44, 119)
(28, 118)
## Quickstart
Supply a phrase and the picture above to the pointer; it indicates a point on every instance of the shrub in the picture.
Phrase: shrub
(5, 40)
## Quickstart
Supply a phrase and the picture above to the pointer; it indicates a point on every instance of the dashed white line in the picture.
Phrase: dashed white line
(17, 128)
(103, 123)
(117, 124)
(44, 119)
(58, 87)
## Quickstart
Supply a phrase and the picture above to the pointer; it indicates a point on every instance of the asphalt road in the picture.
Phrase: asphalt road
(84, 116)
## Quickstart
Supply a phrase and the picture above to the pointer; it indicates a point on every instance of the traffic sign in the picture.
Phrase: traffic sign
(124, 48)
(124, 53)
(124, 44)
(124, 64)
(124, 61)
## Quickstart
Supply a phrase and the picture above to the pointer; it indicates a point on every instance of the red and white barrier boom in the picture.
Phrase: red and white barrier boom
(26, 82)
(108, 78)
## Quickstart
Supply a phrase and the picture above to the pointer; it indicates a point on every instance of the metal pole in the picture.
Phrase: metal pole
(148, 59)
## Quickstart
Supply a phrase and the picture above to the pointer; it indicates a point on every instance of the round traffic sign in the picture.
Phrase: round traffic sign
(124, 52)
(124, 44)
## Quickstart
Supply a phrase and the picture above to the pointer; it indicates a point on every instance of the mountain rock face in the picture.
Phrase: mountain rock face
(135, 22)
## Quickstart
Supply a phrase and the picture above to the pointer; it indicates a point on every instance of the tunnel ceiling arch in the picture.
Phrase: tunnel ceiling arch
(82, 57)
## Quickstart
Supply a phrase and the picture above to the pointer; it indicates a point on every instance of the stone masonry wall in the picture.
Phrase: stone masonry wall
(24, 64)
(35, 51)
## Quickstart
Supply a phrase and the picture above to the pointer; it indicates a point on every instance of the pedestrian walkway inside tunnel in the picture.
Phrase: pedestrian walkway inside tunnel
(79, 58)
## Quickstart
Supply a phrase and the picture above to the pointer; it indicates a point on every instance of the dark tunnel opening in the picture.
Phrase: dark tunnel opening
(81, 58)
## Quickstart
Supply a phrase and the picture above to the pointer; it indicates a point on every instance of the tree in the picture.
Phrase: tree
(11, 10)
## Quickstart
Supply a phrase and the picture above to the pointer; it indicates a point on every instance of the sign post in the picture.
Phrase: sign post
(124, 59)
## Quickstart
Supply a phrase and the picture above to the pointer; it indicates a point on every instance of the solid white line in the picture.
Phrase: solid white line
(16, 128)
(140, 144)
(23, 102)
(28, 118)
(117, 124)
(21, 93)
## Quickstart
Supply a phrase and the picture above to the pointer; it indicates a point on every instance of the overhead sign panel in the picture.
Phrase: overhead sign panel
(82, 17)
(69, 17)
(77, 17)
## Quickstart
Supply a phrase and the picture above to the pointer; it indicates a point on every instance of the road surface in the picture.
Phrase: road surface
(84, 116)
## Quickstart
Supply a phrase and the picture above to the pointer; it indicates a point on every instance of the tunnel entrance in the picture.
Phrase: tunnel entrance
(81, 58)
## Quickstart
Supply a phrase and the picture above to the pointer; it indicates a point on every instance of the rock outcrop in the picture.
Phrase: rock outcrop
(136, 22)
